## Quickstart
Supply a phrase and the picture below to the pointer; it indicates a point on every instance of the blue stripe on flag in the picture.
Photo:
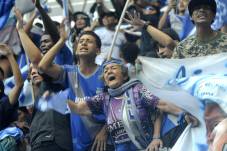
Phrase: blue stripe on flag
(5, 8)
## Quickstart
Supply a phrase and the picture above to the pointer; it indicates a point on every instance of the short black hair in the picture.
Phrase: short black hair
(130, 51)
(93, 34)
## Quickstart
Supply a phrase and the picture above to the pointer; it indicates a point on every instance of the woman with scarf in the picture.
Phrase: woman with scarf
(132, 114)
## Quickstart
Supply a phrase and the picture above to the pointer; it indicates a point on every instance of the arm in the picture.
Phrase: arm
(46, 64)
(30, 48)
(163, 19)
(48, 23)
(15, 92)
(28, 25)
(155, 33)
(156, 141)
(101, 139)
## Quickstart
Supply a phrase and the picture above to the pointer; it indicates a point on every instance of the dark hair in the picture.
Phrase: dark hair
(93, 34)
(87, 18)
(130, 51)
(195, 3)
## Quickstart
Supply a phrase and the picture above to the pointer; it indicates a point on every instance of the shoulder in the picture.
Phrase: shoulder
(69, 68)
(187, 40)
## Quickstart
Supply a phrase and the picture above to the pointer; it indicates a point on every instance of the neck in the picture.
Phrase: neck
(36, 90)
(204, 33)
(87, 66)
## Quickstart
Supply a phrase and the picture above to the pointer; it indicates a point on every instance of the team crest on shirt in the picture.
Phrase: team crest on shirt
(99, 90)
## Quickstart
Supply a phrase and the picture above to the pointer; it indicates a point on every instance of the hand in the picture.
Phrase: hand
(135, 20)
(190, 119)
(172, 4)
(5, 50)
(63, 33)
(155, 145)
(100, 140)
(19, 17)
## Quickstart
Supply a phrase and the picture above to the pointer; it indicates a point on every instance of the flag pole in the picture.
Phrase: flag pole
(117, 29)
(84, 5)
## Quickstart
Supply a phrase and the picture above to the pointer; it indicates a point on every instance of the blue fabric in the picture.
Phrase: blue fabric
(127, 146)
(64, 56)
(221, 15)
(8, 112)
(11, 131)
(90, 87)
(187, 25)
(167, 125)
(5, 8)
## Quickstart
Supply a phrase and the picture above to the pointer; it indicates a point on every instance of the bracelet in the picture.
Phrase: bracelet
(157, 137)
(146, 25)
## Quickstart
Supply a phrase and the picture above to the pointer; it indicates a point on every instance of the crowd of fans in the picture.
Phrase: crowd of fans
(81, 100)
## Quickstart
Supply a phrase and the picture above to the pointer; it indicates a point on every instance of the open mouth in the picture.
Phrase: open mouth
(111, 78)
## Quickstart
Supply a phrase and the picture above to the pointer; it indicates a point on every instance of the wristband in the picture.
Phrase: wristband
(157, 137)
(146, 25)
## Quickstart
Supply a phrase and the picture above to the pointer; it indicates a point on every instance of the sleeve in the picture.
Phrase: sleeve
(62, 79)
(96, 104)
(64, 56)
(176, 54)
(149, 99)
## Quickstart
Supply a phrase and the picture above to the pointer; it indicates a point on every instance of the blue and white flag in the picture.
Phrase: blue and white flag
(185, 82)
(221, 15)
(5, 9)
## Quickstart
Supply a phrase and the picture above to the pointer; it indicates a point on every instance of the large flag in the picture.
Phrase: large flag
(186, 82)
(5, 8)
(221, 15)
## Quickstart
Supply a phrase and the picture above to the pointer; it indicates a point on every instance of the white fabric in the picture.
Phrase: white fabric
(107, 36)
(177, 80)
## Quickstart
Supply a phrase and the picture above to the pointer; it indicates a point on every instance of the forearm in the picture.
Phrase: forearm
(163, 19)
(15, 92)
(161, 37)
(50, 26)
(157, 125)
(48, 58)
(30, 48)
(29, 24)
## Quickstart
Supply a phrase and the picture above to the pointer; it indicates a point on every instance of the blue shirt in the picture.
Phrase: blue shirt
(83, 134)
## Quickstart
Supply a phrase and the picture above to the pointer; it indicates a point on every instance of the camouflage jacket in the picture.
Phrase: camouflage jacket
(192, 47)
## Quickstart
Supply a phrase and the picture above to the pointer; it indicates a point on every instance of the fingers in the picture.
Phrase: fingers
(98, 146)
(127, 21)
(129, 15)
(93, 145)
(72, 105)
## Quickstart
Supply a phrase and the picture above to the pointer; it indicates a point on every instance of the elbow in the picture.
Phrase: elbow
(42, 67)
(170, 43)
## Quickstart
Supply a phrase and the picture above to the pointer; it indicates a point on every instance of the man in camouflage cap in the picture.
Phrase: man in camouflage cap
(205, 41)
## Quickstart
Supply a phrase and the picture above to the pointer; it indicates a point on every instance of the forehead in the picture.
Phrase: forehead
(87, 37)
(80, 16)
(45, 37)
(111, 65)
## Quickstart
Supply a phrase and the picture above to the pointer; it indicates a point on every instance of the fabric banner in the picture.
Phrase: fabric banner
(221, 15)
(185, 82)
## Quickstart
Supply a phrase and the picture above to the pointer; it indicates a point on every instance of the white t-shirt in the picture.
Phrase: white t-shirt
(106, 37)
